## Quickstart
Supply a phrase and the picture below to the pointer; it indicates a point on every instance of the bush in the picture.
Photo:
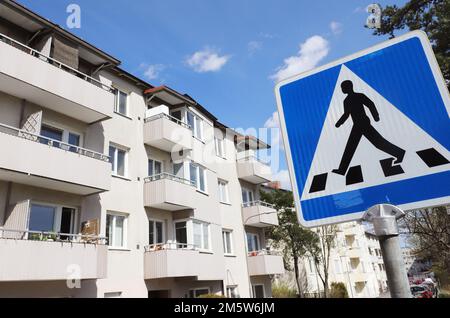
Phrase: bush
(338, 290)
(282, 290)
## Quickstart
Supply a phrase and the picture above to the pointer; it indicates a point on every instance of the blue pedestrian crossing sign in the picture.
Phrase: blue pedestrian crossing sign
(368, 129)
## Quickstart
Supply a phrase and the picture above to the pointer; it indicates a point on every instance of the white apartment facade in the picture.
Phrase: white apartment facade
(355, 261)
(110, 187)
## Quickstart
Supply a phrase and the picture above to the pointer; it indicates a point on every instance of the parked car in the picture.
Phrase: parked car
(420, 291)
(431, 287)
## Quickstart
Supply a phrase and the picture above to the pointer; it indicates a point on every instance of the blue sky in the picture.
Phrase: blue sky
(227, 54)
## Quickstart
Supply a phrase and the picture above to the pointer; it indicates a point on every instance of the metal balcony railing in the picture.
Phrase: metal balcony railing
(169, 117)
(258, 203)
(16, 132)
(26, 235)
(168, 176)
(53, 62)
(170, 247)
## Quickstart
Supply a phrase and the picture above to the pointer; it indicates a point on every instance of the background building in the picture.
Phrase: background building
(355, 261)
(114, 188)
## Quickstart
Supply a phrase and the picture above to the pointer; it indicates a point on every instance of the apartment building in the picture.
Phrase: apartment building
(111, 187)
(355, 261)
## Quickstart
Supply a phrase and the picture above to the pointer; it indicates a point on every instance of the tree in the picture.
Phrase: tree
(429, 231)
(289, 236)
(431, 16)
(320, 250)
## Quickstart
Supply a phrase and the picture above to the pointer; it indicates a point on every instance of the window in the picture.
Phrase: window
(156, 232)
(223, 191)
(258, 291)
(198, 176)
(181, 232)
(201, 235)
(253, 242)
(337, 266)
(48, 218)
(154, 167)
(195, 293)
(227, 242)
(195, 124)
(118, 161)
(116, 230)
(121, 105)
(247, 196)
(62, 135)
(220, 147)
(232, 292)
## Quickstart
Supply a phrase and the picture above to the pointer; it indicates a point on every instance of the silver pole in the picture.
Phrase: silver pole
(384, 219)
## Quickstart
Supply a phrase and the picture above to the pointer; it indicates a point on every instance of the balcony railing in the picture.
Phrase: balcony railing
(169, 247)
(55, 63)
(258, 203)
(169, 117)
(263, 253)
(26, 235)
(13, 131)
(169, 176)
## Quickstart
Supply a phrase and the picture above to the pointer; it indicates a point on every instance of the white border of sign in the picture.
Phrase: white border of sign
(439, 78)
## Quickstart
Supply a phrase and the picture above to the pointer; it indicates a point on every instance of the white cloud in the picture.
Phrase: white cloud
(152, 72)
(312, 51)
(336, 27)
(283, 177)
(254, 46)
(276, 138)
(207, 60)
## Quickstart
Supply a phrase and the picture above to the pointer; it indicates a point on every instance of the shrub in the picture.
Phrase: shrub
(338, 290)
(282, 290)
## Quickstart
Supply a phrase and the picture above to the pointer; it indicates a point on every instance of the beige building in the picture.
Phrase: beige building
(110, 187)
(355, 260)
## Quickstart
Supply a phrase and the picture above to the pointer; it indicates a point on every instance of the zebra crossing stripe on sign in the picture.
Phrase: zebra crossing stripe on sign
(368, 129)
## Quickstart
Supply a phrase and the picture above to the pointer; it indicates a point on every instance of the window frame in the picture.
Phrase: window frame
(66, 131)
(154, 166)
(198, 168)
(114, 161)
(258, 285)
(220, 147)
(223, 185)
(155, 234)
(227, 250)
(125, 230)
(258, 240)
(248, 191)
(117, 102)
(57, 216)
(202, 235)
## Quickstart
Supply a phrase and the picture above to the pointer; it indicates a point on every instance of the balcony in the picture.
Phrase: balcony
(359, 277)
(30, 75)
(173, 260)
(33, 256)
(259, 214)
(169, 192)
(264, 263)
(46, 163)
(251, 169)
(167, 133)
(353, 252)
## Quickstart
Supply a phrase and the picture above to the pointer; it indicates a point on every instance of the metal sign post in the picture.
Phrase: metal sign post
(384, 219)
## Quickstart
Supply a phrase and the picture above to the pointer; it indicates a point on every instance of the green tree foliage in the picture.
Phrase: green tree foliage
(431, 16)
(289, 236)
(338, 290)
